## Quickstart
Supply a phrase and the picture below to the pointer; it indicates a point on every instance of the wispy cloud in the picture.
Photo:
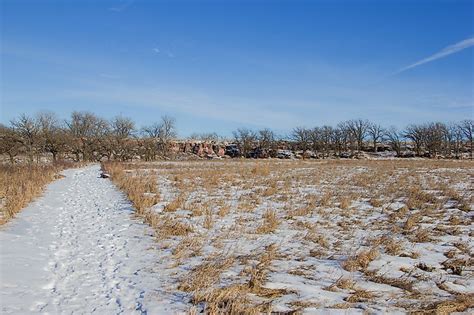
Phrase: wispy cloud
(441, 54)
(167, 53)
(123, 5)
(177, 102)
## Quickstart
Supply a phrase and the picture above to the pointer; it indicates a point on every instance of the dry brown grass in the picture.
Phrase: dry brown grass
(411, 222)
(20, 184)
(342, 283)
(261, 169)
(330, 209)
(404, 283)
(422, 235)
(140, 190)
(203, 283)
(375, 202)
(317, 238)
(325, 199)
(417, 198)
(177, 203)
(361, 260)
(168, 226)
(392, 246)
(359, 296)
(223, 211)
(270, 222)
(208, 220)
(460, 303)
(457, 265)
(204, 276)
(345, 202)
(188, 247)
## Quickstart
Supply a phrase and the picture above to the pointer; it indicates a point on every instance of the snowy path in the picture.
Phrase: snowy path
(77, 249)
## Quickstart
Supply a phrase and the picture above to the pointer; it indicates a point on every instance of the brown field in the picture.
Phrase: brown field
(256, 236)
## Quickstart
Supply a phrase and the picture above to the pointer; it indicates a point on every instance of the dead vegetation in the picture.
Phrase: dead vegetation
(361, 260)
(21, 183)
(285, 236)
(459, 303)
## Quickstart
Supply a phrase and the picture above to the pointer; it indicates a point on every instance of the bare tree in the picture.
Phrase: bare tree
(152, 131)
(376, 133)
(246, 139)
(149, 141)
(10, 143)
(433, 137)
(326, 137)
(89, 136)
(28, 132)
(395, 139)
(123, 129)
(167, 132)
(266, 141)
(454, 137)
(159, 136)
(467, 127)
(358, 129)
(416, 134)
(302, 138)
(52, 135)
(315, 139)
(339, 139)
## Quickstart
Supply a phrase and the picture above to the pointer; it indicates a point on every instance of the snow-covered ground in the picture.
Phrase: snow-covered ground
(77, 249)
(338, 236)
(247, 236)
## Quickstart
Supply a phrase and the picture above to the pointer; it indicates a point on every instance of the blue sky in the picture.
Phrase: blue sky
(221, 65)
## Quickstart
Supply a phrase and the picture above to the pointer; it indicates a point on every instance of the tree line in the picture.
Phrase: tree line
(88, 137)
(85, 137)
(422, 140)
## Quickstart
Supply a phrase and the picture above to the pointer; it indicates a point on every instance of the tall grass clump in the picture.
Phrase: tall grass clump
(20, 184)
(141, 190)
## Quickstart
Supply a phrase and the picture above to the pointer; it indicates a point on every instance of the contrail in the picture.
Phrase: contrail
(441, 54)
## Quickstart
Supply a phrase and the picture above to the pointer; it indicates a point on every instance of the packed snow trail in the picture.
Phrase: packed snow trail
(77, 249)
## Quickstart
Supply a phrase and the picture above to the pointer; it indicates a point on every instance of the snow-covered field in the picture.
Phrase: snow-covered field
(246, 237)
(345, 236)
